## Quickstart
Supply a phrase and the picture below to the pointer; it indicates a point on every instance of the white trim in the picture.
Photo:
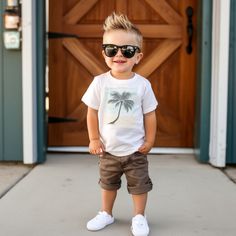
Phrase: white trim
(153, 150)
(219, 81)
(29, 82)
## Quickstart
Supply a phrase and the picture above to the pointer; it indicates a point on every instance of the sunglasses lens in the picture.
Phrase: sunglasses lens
(110, 50)
(128, 51)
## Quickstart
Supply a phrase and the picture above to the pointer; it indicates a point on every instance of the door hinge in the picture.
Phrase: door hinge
(53, 119)
(56, 35)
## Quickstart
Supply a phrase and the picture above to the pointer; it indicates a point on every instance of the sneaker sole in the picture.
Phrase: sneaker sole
(102, 227)
(138, 234)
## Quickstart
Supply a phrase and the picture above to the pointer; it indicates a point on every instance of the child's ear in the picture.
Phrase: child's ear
(139, 57)
(103, 53)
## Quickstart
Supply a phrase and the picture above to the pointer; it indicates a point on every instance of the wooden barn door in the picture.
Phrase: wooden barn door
(169, 62)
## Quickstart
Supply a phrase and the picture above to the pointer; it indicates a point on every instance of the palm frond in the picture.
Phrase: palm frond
(125, 95)
(128, 104)
(113, 100)
(116, 96)
(118, 103)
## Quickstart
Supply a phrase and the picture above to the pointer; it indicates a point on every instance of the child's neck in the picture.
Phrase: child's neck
(123, 76)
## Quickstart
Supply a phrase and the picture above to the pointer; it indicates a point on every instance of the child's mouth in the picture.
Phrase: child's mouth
(119, 62)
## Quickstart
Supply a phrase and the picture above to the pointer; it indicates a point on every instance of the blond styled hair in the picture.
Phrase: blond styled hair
(121, 22)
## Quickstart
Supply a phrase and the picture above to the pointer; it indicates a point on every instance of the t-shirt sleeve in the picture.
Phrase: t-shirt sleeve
(149, 100)
(92, 96)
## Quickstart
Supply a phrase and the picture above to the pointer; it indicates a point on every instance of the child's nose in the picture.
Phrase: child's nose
(119, 52)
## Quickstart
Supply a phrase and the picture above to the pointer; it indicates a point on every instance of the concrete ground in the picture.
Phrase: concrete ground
(10, 174)
(58, 197)
(230, 171)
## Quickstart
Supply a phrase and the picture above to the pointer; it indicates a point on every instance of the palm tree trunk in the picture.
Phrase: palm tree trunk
(121, 103)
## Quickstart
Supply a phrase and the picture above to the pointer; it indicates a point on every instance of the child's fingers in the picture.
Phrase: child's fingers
(142, 148)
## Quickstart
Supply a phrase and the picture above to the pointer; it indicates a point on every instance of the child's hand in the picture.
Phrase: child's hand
(145, 148)
(96, 147)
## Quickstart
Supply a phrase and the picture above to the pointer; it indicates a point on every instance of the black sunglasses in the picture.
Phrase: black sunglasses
(127, 51)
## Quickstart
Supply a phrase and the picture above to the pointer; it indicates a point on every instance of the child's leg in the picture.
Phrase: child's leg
(139, 201)
(108, 199)
(104, 217)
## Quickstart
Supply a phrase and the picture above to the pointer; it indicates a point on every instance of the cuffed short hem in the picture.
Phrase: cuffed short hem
(140, 190)
(109, 187)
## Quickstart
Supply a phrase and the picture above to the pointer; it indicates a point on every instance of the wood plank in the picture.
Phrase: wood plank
(86, 58)
(56, 81)
(165, 11)
(188, 78)
(55, 9)
(56, 75)
(161, 31)
(84, 31)
(148, 31)
(121, 6)
(78, 11)
(157, 57)
(72, 138)
(80, 112)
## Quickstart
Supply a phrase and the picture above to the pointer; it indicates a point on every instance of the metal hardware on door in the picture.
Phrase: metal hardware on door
(189, 13)
(53, 119)
(56, 35)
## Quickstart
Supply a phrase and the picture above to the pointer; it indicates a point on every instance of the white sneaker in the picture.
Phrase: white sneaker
(101, 220)
(139, 226)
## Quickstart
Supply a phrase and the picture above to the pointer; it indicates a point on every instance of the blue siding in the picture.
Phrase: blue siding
(41, 61)
(10, 101)
(1, 88)
(231, 129)
(12, 106)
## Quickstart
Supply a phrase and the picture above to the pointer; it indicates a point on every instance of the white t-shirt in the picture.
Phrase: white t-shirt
(121, 105)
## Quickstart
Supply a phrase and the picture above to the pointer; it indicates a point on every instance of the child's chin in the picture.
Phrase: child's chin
(120, 70)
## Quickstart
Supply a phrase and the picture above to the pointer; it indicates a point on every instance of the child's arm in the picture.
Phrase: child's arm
(95, 146)
(150, 132)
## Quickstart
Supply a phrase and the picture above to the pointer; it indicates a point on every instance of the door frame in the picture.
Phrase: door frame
(203, 87)
(34, 124)
(1, 86)
(33, 81)
(231, 129)
(220, 77)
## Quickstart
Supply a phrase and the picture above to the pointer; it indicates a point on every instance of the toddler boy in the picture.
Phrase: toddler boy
(121, 123)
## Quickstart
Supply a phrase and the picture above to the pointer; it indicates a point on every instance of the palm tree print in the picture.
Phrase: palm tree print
(121, 100)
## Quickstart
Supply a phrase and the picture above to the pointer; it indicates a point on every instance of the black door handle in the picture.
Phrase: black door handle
(189, 13)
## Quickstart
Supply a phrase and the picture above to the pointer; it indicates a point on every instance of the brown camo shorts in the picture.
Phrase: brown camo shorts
(135, 168)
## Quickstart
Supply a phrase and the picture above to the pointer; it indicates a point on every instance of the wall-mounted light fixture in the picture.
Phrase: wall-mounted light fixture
(12, 3)
(11, 18)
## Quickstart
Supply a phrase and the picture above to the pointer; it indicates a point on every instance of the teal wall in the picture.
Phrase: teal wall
(231, 129)
(202, 119)
(11, 147)
(41, 60)
(1, 88)
(11, 130)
